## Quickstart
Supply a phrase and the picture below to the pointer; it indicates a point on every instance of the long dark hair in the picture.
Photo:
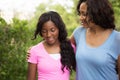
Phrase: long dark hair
(67, 52)
(100, 12)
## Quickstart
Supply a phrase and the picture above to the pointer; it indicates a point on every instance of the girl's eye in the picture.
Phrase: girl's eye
(44, 31)
(53, 30)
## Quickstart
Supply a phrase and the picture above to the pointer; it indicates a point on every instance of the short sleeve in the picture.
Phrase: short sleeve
(33, 56)
(115, 45)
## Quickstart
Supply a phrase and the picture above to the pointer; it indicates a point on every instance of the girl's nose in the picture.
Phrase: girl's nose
(48, 34)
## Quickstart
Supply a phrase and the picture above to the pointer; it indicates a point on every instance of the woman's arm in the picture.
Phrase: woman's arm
(72, 40)
(32, 69)
(118, 66)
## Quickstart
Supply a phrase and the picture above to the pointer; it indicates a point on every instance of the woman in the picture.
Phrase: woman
(97, 42)
(53, 58)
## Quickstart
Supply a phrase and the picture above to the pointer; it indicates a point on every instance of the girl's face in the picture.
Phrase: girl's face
(83, 15)
(50, 33)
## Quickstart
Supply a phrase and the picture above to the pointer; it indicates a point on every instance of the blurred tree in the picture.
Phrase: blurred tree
(2, 22)
(13, 40)
(116, 7)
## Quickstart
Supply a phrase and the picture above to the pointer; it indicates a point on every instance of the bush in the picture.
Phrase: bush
(13, 39)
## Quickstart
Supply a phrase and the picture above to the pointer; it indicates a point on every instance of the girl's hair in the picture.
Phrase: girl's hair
(100, 12)
(67, 52)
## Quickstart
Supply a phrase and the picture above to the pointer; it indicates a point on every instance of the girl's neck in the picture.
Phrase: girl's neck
(57, 44)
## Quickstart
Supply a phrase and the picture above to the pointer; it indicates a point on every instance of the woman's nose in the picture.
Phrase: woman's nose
(82, 17)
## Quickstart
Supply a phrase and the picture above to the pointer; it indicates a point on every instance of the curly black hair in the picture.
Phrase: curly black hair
(100, 12)
(67, 51)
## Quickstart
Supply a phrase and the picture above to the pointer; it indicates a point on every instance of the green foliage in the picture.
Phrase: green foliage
(13, 39)
(116, 7)
(2, 22)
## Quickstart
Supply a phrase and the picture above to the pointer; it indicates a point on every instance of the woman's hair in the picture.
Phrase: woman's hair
(100, 12)
(67, 52)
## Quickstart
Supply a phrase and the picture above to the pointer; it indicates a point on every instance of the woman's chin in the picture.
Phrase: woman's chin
(85, 26)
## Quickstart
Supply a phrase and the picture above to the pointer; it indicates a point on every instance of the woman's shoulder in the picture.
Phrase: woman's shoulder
(78, 30)
(117, 36)
(117, 40)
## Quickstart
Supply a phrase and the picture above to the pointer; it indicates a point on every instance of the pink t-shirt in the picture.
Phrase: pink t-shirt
(48, 68)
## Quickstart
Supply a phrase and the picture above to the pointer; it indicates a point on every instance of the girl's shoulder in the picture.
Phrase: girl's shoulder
(37, 47)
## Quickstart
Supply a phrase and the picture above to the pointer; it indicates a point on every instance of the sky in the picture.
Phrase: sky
(25, 8)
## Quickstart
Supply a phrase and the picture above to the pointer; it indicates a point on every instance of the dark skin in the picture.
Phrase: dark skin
(32, 68)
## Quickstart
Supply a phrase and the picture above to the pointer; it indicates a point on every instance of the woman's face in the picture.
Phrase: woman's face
(83, 15)
(50, 33)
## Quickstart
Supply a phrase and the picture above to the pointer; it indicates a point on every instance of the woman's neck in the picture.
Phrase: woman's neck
(98, 30)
